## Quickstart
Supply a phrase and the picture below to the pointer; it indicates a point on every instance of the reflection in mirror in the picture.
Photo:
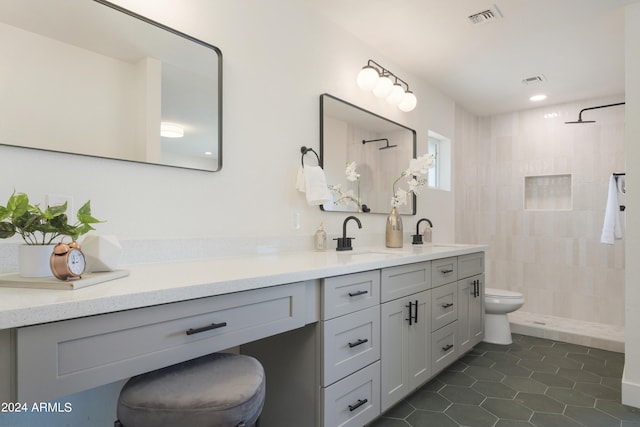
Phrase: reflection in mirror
(88, 77)
(381, 149)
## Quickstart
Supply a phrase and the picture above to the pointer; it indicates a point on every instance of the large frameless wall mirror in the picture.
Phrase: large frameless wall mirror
(380, 148)
(89, 77)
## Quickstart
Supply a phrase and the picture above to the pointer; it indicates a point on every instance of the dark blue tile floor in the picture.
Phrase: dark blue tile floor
(532, 382)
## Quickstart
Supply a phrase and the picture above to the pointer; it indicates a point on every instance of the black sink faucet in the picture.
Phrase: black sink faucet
(344, 242)
(417, 238)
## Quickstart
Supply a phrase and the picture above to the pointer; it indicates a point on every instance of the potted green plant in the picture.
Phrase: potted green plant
(39, 228)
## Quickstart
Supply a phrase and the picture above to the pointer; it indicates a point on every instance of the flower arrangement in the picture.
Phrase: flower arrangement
(348, 197)
(417, 177)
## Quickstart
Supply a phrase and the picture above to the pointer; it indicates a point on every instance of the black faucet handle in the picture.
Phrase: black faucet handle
(417, 239)
(344, 243)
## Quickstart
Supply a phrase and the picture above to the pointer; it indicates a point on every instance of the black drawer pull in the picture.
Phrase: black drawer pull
(447, 347)
(446, 271)
(356, 293)
(447, 305)
(192, 331)
(357, 343)
(358, 404)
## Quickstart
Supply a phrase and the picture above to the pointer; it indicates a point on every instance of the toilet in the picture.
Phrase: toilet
(497, 303)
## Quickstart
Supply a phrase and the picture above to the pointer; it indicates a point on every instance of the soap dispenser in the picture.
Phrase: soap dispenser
(320, 238)
(427, 232)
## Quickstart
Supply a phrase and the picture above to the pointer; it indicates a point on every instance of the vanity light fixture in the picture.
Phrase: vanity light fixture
(387, 85)
(171, 130)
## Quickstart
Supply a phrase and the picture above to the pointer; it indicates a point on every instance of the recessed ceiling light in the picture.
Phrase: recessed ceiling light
(539, 97)
(171, 130)
(208, 153)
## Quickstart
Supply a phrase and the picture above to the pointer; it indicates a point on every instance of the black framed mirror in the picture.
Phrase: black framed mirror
(89, 77)
(380, 148)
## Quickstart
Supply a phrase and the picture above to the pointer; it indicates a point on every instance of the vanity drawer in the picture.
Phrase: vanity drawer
(403, 280)
(56, 359)
(470, 265)
(350, 342)
(443, 271)
(444, 305)
(444, 347)
(353, 401)
(349, 293)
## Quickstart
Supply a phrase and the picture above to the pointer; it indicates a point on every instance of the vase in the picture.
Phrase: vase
(34, 260)
(394, 230)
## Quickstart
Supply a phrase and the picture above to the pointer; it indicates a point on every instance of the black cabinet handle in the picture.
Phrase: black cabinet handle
(206, 328)
(357, 343)
(413, 317)
(447, 347)
(447, 271)
(447, 305)
(358, 404)
(410, 319)
(356, 293)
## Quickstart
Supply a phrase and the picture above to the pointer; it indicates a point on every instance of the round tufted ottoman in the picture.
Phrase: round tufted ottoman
(217, 390)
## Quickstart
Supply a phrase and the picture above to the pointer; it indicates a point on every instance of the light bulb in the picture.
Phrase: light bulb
(368, 77)
(396, 95)
(408, 102)
(383, 87)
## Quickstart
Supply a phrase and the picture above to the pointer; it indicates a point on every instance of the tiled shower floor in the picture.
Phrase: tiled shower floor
(532, 382)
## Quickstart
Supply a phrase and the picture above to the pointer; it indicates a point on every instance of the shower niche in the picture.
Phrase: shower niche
(548, 192)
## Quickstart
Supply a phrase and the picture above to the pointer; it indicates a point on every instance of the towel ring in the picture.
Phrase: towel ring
(304, 150)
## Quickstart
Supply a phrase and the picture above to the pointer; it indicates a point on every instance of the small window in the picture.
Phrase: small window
(440, 173)
(434, 147)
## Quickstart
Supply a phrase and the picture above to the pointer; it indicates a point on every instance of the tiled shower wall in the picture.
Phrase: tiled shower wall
(554, 257)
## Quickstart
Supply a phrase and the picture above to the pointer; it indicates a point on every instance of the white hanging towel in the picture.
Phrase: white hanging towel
(312, 181)
(300, 179)
(612, 227)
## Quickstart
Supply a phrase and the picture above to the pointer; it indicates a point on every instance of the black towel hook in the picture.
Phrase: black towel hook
(304, 150)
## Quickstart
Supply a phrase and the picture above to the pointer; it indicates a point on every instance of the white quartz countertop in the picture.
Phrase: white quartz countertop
(161, 283)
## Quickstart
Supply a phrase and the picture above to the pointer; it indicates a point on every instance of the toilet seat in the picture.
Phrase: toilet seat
(501, 293)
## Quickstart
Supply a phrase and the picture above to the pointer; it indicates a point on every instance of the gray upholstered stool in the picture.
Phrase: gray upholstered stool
(217, 390)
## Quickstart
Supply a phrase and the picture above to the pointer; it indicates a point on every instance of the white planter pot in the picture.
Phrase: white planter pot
(34, 260)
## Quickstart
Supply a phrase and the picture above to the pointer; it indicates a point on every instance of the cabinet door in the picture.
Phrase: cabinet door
(465, 295)
(470, 312)
(394, 354)
(476, 312)
(406, 346)
(419, 339)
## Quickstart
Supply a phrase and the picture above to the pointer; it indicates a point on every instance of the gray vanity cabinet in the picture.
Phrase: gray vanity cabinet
(405, 330)
(379, 335)
(327, 374)
(470, 300)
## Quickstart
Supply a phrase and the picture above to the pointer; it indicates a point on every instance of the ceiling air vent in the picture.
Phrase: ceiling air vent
(533, 80)
(486, 15)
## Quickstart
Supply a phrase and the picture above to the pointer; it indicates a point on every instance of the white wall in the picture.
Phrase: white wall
(278, 59)
(631, 377)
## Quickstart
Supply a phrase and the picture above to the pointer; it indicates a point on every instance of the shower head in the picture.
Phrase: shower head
(580, 121)
(378, 140)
